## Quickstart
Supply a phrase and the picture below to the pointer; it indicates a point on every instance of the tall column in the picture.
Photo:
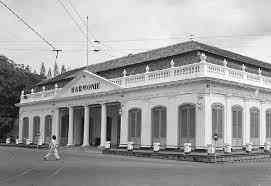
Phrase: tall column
(207, 120)
(70, 132)
(103, 125)
(246, 123)
(56, 125)
(262, 125)
(200, 124)
(123, 125)
(31, 129)
(42, 128)
(86, 126)
(172, 124)
(146, 135)
(228, 123)
(20, 128)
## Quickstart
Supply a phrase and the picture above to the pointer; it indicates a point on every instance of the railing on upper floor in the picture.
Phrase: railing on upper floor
(185, 72)
(38, 96)
(195, 70)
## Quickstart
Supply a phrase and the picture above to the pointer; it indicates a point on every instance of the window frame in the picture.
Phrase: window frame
(134, 123)
(237, 125)
(218, 125)
(254, 118)
(159, 123)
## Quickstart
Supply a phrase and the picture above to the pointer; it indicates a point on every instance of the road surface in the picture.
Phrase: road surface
(25, 167)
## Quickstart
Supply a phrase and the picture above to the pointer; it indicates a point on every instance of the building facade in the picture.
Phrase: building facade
(184, 93)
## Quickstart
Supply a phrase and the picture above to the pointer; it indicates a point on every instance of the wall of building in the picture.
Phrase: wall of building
(203, 94)
(170, 97)
(229, 96)
(30, 112)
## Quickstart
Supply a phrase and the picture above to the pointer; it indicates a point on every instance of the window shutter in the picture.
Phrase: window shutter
(240, 122)
(163, 122)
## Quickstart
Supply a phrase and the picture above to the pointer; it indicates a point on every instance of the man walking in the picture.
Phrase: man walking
(52, 149)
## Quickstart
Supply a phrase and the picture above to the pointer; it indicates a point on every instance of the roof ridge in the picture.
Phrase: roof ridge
(228, 51)
(158, 53)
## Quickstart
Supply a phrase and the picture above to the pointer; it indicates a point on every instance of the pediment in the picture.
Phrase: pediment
(86, 82)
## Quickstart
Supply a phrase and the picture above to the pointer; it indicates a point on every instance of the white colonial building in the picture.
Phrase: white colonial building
(186, 92)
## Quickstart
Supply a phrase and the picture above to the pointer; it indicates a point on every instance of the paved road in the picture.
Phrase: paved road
(24, 167)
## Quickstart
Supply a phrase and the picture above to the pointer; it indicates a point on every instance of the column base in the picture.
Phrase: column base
(86, 145)
(101, 147)
(123, 145)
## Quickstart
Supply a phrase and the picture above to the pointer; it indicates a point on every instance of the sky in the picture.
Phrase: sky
(130, 26)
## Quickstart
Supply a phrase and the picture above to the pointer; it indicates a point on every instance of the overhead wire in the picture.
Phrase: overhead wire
(95, 40)
(74, 43)
(79, 16)
(71, 17)
(29, 26)
(239, 36)
(53, 48)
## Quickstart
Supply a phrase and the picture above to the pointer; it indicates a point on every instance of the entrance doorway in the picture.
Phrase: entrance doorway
(25, 134)
(95, 125)
(187, 124)
(64, 126)
(113, 123)
(48, 129)
(78, 125)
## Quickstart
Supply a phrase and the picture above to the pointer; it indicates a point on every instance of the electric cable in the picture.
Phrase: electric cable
(25, 23)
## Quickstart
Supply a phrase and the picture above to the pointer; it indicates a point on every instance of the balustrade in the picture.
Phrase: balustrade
(195, 70)
(235, 74)
(35, 96)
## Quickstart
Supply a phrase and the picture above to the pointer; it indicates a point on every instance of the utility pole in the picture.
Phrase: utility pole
(87, 41)
(57, 51)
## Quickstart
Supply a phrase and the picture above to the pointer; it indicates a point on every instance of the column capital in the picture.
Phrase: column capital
(71, 107)
(246, 99)
(86, 105)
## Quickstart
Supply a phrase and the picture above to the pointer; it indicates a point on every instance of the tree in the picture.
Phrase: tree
(27, 68)
(13, 79)
(56, 71)
(49, 74)
(42, 69)
(63, 69)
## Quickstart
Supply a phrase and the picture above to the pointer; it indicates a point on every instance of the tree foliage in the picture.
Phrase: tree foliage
(56, 71)
(42, 70)
(49, 74)
(13, 79)
(63, 69)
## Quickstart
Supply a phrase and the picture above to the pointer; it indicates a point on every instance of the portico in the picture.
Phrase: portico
(89, 124)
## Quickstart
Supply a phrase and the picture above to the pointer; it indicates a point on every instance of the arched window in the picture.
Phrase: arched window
(187, 124)
(254, 122)
(218, 120)
(237, 122)
(134, 125)
(159, 124)
(268, 123)
(48, 128)
(36, 129)
(25, 132)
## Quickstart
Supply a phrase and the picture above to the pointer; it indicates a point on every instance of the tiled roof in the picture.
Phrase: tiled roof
(155, 54)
